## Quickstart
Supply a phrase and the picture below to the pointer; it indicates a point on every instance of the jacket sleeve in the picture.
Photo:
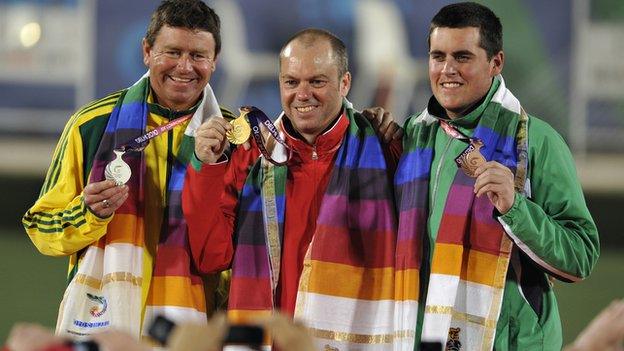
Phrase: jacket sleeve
(553, 225)
(209, 202)
(59, 223)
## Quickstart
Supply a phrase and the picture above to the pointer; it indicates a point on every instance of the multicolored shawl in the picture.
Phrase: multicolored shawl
(346, 290)
(116, 270)
(468, 263)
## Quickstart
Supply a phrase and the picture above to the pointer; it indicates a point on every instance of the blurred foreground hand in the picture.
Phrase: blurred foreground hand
(31, 337)
(604, 333)
(286, 334)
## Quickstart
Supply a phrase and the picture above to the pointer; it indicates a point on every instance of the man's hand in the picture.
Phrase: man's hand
(604, 333)
(210, 140)
(199, 337)
(105, 197)
(286, 334)
(497, 182)
(114, 340)
(31, 337)
(382, 120)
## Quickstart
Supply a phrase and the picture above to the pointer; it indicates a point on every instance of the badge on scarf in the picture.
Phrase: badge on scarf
(118, 170)
(470, 159)
(241, 130)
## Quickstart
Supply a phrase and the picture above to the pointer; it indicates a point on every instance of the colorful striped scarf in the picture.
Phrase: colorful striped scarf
(469, 261)
(346, 290)
(116, 270)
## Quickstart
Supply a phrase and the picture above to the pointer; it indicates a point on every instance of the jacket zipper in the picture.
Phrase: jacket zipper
(436, 180)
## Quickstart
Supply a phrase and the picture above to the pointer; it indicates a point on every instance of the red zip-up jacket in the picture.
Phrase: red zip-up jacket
(210, 199)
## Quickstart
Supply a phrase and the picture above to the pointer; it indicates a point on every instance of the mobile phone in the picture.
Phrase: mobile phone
(84, 345)
(161, 329)
(243, 337)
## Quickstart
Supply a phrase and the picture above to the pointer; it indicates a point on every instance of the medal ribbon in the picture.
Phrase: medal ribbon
(256, 118)
(139, 143)
(456, 134)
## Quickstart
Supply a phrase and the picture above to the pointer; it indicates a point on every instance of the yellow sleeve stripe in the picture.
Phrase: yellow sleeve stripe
(55, 222)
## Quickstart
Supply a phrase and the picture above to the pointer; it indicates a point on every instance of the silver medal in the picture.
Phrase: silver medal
(118, 170)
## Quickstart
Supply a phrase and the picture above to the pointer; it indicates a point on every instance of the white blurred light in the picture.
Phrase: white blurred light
(30, 34)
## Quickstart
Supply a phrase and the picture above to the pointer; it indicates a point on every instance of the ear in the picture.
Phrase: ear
(214, 63)
(498, 61)
(345, 84)
(147, 50)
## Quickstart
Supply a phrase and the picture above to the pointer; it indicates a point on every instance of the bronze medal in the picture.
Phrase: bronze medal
(240, 131)
(471, 158)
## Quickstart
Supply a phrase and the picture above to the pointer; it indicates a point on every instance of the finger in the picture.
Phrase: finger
(107, 206)
(105, 194)
(247, 145)
(374, 115)
(488, 188)
(216, 131)
(390, 131)
(97, 187)
(482, 168)
(384, 122)
(218, 125)
(492, 197)
(214, 145)
(117, 200)
(215, 120)
(101, 209)
(497, 184)
(495, 166)
(398, 134)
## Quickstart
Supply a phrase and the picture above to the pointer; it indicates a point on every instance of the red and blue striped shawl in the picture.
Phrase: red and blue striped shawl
(464, 271)
(346, 290)
(118, 266)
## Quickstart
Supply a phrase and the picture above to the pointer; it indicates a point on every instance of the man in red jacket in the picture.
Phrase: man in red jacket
(322, 132)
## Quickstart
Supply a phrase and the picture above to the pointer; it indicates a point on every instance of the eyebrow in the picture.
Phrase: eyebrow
(454, 53)
(176, 47)
(463, 52)
(288, 76)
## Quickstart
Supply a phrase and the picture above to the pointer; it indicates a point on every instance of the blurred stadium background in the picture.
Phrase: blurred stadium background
(563, 61)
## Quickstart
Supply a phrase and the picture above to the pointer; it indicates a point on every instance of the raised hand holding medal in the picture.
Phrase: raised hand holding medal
(105, 197)
(492, 178)
(212, 136)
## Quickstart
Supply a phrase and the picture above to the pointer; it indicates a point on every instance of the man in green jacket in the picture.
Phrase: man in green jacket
(490, 205)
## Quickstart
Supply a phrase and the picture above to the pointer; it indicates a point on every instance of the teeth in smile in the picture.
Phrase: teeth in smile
(182, 80)
(450, 85)
(305, 109)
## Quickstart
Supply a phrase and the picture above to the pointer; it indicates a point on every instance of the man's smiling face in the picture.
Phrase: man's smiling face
(460, 72)
(311, 87)
(181, 62)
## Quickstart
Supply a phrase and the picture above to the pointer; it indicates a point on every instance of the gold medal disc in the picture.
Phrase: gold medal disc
(240, 131)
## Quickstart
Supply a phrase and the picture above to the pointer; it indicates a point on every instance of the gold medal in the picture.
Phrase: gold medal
(240, 131)
(471, 159)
